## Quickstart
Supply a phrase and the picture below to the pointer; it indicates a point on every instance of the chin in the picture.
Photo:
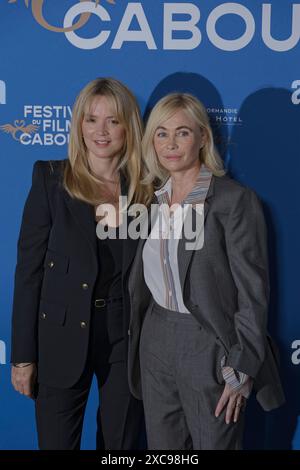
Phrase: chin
(104, 156)
(174, 166)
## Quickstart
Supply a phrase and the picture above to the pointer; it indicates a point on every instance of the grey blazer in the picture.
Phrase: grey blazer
(225, 285)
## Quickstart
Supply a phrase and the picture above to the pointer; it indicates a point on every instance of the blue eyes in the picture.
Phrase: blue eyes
(178, 134)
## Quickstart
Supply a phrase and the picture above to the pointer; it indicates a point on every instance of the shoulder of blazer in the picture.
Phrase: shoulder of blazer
(228, 188)
(229, 194)
(52, 168)
(52, 171)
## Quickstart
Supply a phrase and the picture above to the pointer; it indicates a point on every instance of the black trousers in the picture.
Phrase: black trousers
(60, 412)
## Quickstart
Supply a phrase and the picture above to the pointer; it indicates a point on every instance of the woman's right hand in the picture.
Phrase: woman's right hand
(24, 379)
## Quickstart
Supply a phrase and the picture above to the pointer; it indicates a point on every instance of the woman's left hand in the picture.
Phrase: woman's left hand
(234, 402)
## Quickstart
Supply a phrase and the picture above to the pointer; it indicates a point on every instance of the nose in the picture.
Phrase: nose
(101, 128)
(171, 143)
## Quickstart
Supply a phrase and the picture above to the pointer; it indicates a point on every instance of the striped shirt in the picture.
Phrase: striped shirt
(161, 249)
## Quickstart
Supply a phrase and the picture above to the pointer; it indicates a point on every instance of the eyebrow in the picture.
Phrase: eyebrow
(93, 115)
(177, 128)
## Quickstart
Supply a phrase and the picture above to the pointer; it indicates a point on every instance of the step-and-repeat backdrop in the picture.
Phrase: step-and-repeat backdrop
(240, 58)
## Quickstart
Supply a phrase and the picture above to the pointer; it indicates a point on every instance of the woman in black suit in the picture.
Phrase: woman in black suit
(71, 307)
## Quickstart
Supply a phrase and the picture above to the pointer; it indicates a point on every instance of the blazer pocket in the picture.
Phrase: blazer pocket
(52, 312)
(56, 262)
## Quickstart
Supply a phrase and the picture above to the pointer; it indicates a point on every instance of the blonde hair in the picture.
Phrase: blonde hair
(78, 179)
(162, 111)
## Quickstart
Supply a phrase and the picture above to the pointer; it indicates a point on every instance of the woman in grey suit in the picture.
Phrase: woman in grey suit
(199, 291)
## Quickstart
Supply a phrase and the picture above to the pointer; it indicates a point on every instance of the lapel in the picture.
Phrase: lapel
(184, 256)
(129, 249)
(147, 221)
(83, 214)
(130, 245)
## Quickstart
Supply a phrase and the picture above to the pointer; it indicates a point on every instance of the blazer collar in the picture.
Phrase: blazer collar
(185, 256)
(146, 222)
(197, 195)
(130, 244)
(83, 214)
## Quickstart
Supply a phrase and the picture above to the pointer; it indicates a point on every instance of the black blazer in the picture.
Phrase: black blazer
(57, 268)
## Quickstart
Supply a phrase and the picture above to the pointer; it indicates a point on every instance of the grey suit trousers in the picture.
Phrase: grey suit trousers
(182, 383)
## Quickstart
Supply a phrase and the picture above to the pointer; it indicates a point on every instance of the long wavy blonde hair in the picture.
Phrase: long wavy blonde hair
(78, 179)
(162, 111)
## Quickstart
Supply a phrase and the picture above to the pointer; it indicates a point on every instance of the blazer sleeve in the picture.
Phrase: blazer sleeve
(246, 241)
(32, 246)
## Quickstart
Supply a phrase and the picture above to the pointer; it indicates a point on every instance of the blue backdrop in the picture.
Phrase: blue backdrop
(241, 59)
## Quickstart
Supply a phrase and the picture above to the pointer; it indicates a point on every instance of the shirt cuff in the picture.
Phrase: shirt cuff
(236, 379)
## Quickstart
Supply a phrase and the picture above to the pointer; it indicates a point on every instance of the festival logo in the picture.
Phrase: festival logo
(37, 11)
(41, 125)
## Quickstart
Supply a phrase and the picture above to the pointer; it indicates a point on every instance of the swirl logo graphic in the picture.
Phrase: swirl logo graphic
(37, 11)
(19, 127)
